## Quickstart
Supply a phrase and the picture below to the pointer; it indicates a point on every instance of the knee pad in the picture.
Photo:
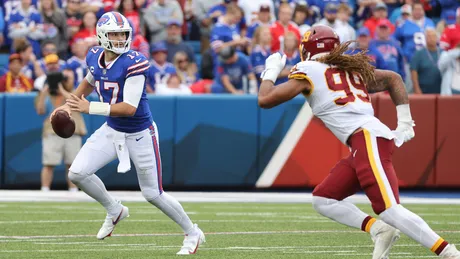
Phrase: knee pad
(320, 204)
(151, 194)
(77, 178)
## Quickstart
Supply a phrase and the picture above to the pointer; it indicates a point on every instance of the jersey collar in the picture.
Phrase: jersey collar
(99, 61)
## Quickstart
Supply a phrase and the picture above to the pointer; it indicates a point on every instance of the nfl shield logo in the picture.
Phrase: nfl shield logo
(104, 71)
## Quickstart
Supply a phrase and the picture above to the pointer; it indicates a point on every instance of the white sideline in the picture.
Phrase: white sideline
(246, 197)
(287, 232)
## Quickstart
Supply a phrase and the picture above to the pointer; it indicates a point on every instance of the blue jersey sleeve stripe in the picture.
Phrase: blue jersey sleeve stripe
(140, 70)
(138, 65)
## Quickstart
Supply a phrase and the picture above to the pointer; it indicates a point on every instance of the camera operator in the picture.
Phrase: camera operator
(55, 88)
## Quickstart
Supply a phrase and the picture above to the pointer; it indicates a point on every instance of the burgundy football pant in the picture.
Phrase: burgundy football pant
(369, 167)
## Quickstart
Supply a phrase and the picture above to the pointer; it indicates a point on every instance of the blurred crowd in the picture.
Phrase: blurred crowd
(216, 46)
(220, 46)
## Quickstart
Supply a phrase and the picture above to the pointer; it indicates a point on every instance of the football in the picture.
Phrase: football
(63, 125)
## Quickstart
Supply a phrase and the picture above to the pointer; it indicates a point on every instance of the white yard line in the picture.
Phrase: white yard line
(101, 212)
(285, 250)
(287, 232)
(217, 197)
(166, 220)
(207, 233)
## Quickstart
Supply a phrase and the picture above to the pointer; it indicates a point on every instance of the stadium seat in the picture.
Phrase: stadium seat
(198, 60)
(195, 45)
(4, 60)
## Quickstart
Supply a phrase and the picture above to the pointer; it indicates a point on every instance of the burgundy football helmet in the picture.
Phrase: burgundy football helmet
(318, 39)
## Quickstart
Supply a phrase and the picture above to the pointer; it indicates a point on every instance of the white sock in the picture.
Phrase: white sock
(341, 211)
(173, 209)
(45, 189)
(413, 226)
(95, 188)
(73, 189)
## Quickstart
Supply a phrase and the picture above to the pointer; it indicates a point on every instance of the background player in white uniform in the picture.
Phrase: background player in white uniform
(336, 87)
(118, 74)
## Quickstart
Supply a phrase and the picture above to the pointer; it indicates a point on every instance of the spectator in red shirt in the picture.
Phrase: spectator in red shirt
(129, 9)
(74, 17)
(14, 81)
(139, 42)
(379, 12)
(280, 27)
(451, 35)
(87, 30)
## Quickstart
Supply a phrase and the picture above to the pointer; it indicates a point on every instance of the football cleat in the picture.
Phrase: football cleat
(110, 223)
(192, 241)
(384, 236)
(450, 252)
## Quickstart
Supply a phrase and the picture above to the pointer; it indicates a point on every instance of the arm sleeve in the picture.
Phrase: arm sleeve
(89, 77)
(446, 59)
(133, 89)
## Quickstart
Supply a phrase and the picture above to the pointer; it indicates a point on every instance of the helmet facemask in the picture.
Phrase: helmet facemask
(116, 46)
(106, 25)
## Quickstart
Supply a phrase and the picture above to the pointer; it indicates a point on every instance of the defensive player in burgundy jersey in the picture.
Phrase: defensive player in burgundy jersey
(119, 76)
(336, 87)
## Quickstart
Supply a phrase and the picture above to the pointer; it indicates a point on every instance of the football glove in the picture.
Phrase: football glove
(405, 131)
(273, 66)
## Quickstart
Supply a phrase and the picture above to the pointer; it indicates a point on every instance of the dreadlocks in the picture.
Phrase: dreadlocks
(358, 63)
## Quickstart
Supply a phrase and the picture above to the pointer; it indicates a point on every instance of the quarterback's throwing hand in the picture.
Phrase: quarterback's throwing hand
(77, 104)
(273, 66)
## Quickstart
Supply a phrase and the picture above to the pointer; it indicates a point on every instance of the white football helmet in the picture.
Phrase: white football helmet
(113, 22)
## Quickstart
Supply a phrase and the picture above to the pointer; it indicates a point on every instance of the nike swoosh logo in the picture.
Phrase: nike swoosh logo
(137, 60)
(116, 221)
(139, 138)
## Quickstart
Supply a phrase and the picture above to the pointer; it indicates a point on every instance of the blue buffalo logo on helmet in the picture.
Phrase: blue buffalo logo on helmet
(103, 20)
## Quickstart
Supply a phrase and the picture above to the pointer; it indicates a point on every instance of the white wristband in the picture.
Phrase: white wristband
(403, 112)
(98, 108)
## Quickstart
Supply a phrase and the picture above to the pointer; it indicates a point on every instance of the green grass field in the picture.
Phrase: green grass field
(233, 230)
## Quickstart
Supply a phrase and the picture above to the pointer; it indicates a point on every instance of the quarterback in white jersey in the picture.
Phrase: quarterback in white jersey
(118, 74)
(336, 87)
